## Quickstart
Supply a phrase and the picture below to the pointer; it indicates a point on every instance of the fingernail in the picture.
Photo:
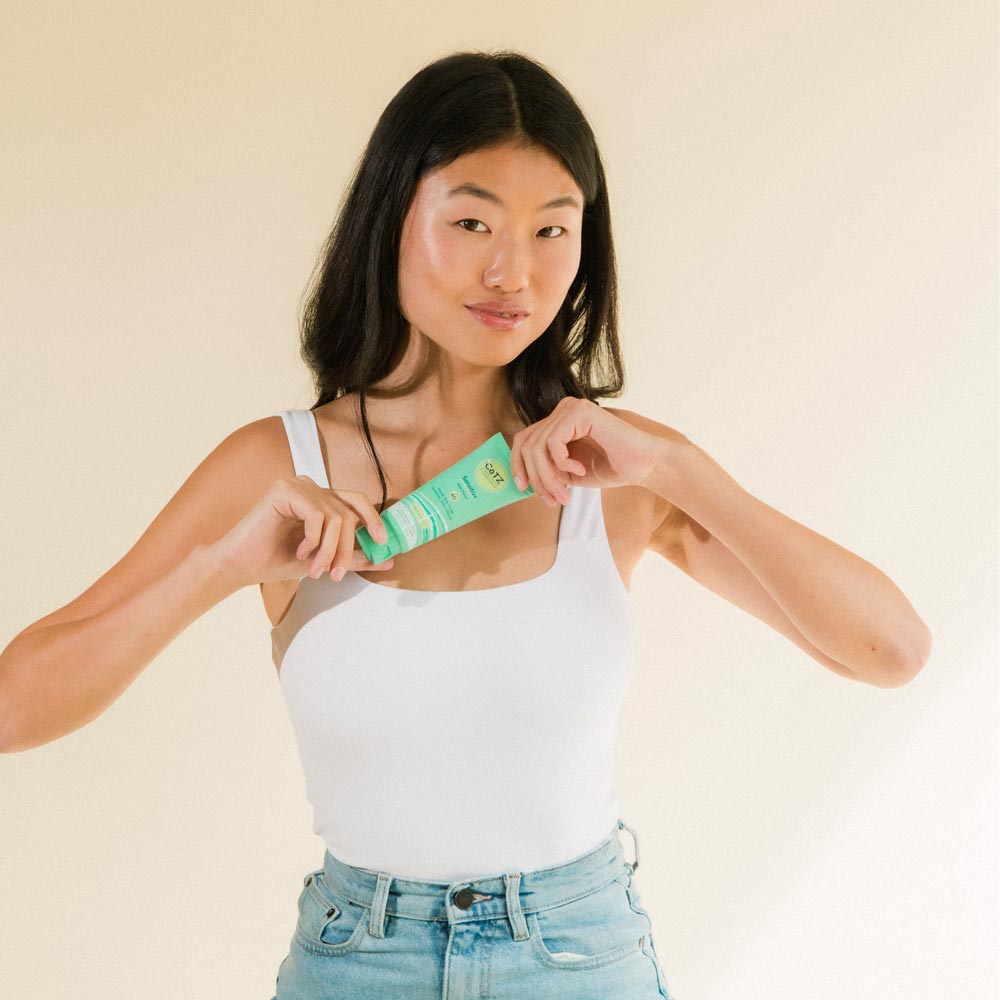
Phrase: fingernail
(519, 481)
(338, 573)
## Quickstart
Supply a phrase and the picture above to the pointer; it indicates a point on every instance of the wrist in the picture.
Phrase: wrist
(664, 474)
(213, 561)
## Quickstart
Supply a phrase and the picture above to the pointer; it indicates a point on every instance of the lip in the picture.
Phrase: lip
(495, 306)
(497, 322)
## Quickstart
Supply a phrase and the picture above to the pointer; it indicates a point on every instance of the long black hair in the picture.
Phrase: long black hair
(352, 323)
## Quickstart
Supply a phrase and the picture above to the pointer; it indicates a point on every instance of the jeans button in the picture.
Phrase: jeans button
(464, 898)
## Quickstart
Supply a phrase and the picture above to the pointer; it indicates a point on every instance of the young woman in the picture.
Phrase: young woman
(455, 708)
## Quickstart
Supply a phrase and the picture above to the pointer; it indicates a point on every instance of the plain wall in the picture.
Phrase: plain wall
(805, 211)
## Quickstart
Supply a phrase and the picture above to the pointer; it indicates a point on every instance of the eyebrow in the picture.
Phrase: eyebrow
(477, 192)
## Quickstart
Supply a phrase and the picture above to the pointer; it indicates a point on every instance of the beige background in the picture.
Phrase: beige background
(804, 199)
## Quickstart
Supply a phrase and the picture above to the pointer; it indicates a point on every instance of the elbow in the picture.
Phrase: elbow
(912, 659)
(8, 738)
(902, 665)
(895, 680)
(8, 724)
(4, 723)
(920, 652)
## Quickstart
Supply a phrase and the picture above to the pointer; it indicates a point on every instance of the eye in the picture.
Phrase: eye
(476, 222)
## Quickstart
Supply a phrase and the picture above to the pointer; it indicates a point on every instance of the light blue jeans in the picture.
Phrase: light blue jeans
(577, 931)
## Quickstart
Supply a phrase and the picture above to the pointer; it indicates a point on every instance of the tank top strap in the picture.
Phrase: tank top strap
(303, 441)
(585, 515)
(585, 549)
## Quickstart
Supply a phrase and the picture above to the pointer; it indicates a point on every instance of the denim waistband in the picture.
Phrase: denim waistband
(504, 895)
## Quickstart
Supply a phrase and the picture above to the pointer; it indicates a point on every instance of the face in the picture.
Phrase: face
(501, 243)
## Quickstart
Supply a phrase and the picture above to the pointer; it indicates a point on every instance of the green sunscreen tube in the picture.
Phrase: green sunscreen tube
(475, 485)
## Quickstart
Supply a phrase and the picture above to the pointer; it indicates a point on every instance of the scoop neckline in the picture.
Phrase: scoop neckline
(321, 459)
(560, 534)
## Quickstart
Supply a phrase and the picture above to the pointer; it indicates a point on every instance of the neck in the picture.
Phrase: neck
(435, 396)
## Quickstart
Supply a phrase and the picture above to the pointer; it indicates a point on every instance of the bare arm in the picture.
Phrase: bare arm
(237, 520)
(62, 671)
(56, 679)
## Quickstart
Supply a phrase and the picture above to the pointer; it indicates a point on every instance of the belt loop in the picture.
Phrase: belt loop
(635, 840)
(514, 913)
(376, 923)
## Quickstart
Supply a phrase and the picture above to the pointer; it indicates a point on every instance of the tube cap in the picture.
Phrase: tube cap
(376, 552)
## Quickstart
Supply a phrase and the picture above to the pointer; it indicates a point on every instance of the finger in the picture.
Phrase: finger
(559, 479)
(536, 479)
(344, 555)
(312, 527)
(517, 469)
(328, 545)
(559, 450)
(366, 511)
(528, 464)
(549, 478)
(366, 564)
(376, 528)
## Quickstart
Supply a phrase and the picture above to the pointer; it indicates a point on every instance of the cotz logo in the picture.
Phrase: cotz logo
(491, 475)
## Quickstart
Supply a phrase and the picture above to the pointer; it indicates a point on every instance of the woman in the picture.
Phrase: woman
(455, 708)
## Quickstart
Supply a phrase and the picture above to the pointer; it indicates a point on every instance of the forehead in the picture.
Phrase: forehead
(514, 173)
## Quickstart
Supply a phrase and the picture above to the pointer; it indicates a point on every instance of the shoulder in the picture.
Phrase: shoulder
(252, 456)
(262, 443)
(245, 462)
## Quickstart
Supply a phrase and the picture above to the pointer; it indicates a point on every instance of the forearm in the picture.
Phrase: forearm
(56, 679)
(845, 606)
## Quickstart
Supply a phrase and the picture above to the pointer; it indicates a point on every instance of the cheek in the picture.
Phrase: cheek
(434, 255)
(434, 277)
(557, 262)
(427, 264)
(568, 267)
(447, 265)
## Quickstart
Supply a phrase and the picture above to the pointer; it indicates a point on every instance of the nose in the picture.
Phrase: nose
(509, 266)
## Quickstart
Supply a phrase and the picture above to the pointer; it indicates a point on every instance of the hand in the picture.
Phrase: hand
(580, 443)
(294, 518)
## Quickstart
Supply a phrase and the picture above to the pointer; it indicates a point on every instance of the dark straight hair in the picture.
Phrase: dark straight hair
(352, 324)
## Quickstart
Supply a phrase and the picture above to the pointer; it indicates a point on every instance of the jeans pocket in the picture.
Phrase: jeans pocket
(329, 923)
(588, 932)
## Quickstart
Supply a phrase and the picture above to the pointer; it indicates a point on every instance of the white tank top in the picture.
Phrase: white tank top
(450, 734)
